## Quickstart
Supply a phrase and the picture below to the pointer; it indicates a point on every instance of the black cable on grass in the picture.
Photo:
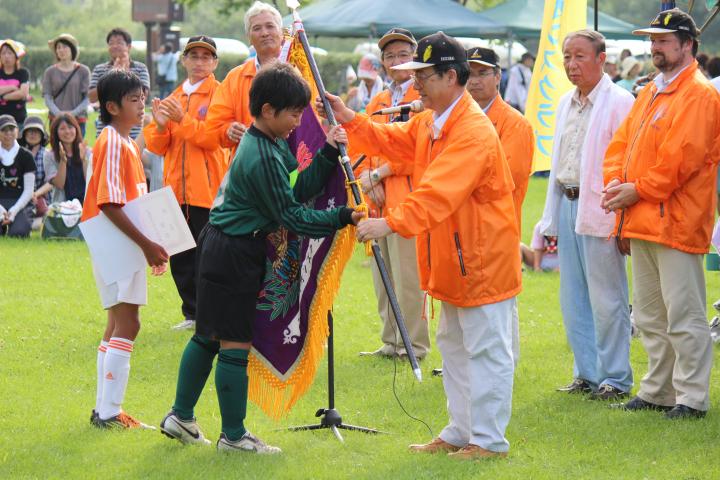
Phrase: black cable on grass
(394, 384)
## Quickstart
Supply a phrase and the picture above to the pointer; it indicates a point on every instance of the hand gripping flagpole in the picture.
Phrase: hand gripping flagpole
(345, 162)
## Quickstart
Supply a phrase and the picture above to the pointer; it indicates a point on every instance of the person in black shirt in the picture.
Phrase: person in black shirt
(14, 81)
(17, 181)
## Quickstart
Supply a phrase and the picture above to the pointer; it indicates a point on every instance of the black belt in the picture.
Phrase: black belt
(571, 192)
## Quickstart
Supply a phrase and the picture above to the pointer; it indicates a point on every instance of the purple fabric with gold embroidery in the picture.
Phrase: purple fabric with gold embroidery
(281, 323)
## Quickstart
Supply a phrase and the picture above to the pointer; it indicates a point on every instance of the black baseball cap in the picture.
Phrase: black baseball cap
(669, 21)
(483, 56)
(202, 41)
(435, 49)
(397, 34)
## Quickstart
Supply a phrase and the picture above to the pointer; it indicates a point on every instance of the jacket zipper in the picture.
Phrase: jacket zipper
(187, 108)
(428, 249)
(662, 209)
(627, 160)
(459, 253)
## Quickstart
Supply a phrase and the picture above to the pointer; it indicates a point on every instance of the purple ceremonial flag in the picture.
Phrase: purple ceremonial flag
(281, 322)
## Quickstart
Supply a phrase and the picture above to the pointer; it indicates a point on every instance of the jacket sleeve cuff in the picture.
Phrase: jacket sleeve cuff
(330, 153)
(346, 216)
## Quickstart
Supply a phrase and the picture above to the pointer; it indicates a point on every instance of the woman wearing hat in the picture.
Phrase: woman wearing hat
(17, 181)
(629, 71)
(65, 84)
(34, 138)
(371, 83)
(14, 81)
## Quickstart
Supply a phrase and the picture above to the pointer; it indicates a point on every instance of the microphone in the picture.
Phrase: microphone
(415, 106)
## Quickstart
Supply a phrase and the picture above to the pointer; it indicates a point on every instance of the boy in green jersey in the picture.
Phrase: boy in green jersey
(261, 192)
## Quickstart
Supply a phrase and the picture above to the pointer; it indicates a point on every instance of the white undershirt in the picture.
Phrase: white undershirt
(439, 120)
(190, 88)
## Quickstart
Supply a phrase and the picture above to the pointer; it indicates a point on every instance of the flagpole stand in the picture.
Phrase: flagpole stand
(330, 417)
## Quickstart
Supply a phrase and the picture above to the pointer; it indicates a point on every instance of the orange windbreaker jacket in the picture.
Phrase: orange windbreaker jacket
(396, 186)
(669, 146)
(192, 170)
(231, 103)
(518, 142)
(461, 209)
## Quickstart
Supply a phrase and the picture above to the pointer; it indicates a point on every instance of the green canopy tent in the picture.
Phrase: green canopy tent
(523, 20)
(372, 18)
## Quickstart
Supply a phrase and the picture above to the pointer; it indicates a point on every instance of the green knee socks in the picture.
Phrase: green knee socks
(195, 367)
(231, 383)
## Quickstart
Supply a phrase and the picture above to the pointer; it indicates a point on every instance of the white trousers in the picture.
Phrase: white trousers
(476, 348)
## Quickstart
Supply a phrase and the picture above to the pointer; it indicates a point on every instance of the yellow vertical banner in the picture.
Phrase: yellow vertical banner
(549, 81)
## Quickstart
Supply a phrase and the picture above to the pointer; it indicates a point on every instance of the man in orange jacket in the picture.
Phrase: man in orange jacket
(386, 190)
(660, 170)
(516, 137)
(229, 114)
(192, 170)
(461, 211)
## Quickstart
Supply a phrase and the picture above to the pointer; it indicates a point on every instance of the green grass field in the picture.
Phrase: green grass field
(51, 322)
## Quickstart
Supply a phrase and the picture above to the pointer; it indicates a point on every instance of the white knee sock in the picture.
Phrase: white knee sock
(115, 377)
(100, 372)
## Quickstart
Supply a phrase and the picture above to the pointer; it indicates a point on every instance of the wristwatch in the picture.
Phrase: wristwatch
(375, 176)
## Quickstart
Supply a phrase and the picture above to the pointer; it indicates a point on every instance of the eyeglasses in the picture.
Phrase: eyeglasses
(482, 74)
(422, 79)
(403, 57)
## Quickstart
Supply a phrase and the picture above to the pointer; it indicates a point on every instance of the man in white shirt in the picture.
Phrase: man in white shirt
(519, 82)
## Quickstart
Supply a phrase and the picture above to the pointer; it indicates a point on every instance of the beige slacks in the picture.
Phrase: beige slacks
(670, 312)
(401, 262)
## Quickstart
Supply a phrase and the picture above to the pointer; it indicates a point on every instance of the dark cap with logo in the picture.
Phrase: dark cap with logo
(435, 49)
(202, 41)
(483, 56)
(397, 34)
(669, 21)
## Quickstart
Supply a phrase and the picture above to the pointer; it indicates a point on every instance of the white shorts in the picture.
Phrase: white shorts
(128, 290)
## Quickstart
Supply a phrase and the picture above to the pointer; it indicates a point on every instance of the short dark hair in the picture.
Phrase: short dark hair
(686, 37)
(280, 86)
(120, 32)
(462, 69)
(713, 67)
(115, 85)
(73, 48)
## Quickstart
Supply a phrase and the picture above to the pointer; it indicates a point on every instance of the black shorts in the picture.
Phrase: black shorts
(230, 272)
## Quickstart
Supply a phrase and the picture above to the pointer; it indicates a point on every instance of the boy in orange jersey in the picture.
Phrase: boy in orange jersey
(118, 178)
(193, 170)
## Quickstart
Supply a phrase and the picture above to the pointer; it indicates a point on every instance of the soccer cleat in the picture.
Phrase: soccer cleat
(122, 421)
(186, 431)
(248, 443)
(187, 324)
(93, 417)
(715, 330)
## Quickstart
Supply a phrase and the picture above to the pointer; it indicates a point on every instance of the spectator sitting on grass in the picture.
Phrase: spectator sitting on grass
(34, 138)
(68, 160)
(17, 181)
(542, 254)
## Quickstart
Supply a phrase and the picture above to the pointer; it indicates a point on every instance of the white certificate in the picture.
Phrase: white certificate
(157, 215)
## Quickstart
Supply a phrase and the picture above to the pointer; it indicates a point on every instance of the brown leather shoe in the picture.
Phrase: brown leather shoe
(474, 452)
(437, 445)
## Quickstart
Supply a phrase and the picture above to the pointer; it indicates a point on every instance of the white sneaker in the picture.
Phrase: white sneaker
(715, 330)
(187, 431)
(186, 324)
(248, 443)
